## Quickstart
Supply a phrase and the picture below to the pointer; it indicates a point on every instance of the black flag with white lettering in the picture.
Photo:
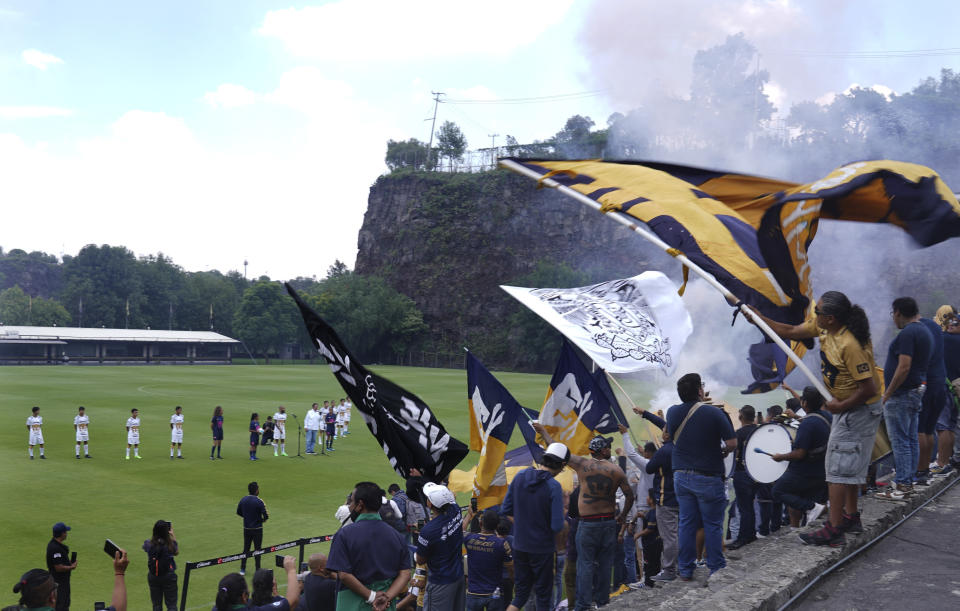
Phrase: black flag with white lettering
(409, 433)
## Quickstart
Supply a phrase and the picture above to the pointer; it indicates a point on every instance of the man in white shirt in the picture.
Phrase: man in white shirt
(81, 422)
(133, 433)
(311, 424)
(280, 431)
(176, 432)
(35, 426)
(346, 416)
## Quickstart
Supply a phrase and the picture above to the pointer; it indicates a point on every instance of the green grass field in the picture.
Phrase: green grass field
(109, 497)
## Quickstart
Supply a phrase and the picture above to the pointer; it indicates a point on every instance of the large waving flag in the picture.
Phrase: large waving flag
(406, 429)
(575, 408)
(752, 233)
(493, 414)
(622, 325)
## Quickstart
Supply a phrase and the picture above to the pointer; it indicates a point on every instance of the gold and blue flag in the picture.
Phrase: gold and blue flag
(493, 415)
(577, 406)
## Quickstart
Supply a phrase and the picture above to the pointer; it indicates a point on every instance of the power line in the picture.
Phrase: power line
(836, 54)
(561, 97)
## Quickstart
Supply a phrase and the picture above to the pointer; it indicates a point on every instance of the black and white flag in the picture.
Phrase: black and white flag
(409, 433)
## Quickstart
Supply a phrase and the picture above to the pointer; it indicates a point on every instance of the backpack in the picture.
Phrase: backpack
(387, 515)
(157, 562)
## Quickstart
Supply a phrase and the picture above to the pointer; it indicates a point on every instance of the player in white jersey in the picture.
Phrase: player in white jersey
(176, 432)
(133, 433)
(323, 426)
(35, 426)
(80, 424)
(338, 410)
(280, 431)
(346, 416)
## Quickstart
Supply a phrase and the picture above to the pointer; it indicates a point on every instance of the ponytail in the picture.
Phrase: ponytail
(34, 588)
(230, 591)
(836, 304)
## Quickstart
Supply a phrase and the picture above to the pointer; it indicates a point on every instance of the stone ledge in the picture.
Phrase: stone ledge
(767, 573)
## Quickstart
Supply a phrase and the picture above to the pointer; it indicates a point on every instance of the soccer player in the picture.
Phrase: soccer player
(255, 431)
(280, 431)
(176, 432)
(326, 409)
(338, 410)
(331, 422)
(80, 423)
(35, 426)
(133, 433)
(346, 416)
(216, 425)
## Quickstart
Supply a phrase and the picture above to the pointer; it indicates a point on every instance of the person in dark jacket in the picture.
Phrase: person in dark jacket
(161, 575)
(535, 501)
(60, 565)
(668, 511)
(254, 514)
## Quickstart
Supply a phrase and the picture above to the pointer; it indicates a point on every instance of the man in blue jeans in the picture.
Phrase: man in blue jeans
(905, 377)
(699, 431)
(599, 520)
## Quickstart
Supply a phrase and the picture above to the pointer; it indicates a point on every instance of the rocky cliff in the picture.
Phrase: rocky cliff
(449, 240)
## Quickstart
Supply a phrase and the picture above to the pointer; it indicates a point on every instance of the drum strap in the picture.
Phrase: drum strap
(676, 436)
(821, 449)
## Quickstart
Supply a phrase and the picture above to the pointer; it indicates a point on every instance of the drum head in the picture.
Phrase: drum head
(772, 438)
(727, 462)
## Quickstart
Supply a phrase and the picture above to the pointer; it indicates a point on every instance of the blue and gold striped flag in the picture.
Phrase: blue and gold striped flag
(493, 415)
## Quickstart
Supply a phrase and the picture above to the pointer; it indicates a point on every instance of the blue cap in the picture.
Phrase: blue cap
(59, 528)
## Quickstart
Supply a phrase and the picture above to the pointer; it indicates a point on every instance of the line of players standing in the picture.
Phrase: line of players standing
(331, 421)
(336, 417)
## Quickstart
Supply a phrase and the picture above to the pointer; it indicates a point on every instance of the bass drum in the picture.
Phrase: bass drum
(728, 463)
(771, 439)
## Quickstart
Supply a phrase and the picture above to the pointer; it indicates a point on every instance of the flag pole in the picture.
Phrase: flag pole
(633, 225)
(656, 439)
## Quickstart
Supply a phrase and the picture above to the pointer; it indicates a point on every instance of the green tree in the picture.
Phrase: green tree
(267, 318)
(14, 306)
(103, 279)
(451, 143)
(208, 301)
(37, 273)
(576, 140)
(162, 293)
(49, 313)
(410, 154)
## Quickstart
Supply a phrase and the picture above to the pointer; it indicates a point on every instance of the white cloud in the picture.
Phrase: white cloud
(39, 59)
(33, 112)
(390, 31)
(229, 95)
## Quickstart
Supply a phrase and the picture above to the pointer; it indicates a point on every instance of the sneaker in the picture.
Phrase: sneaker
(78, 457)
(814, 513)
(212, 458)
(939, 471)
(243, 572)
(623, 588)
(275, 454)
(283, 454)
(738, 544)
(137, 456)
(43, 457)
(851, 523)
(31, 458)
(636, 585)
(701, 563)
(663, 576)
(128, 458)
(254, 458)
(760, 536)
(179, 457)
(828, 535)
(88, 456)
(219, 457)
(922, 478)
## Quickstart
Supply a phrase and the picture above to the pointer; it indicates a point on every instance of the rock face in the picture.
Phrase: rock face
(449, 240)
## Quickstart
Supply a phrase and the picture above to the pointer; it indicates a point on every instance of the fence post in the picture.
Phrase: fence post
(303, 544)
(186, 583)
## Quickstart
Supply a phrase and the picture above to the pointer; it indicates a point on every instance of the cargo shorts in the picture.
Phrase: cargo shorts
(849, 449)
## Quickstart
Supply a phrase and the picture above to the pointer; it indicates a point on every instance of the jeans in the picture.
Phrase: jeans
(483, 603)
(163, 589)
(629, 558)
(596, 546)
(771, 512)
(901, 413)
(534, 572)
(701, 499)
(558, 579)
(745, 489)
(311, 440)
(799, 492)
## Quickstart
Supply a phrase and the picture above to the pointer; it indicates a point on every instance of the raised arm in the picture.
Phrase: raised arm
(801, 331)
(631, 452)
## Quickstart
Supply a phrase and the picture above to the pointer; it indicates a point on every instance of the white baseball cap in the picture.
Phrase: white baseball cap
(558, 451)
(438, 495)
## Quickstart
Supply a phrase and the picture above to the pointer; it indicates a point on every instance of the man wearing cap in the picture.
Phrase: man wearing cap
(59, 565)
(599, 521)
(535, 502)
(439, 546)
(698, 431)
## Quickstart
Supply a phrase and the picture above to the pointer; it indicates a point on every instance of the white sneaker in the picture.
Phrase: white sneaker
(636, 585)
(814, 513)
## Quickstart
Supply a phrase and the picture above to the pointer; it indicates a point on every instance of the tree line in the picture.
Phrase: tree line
(108, 286)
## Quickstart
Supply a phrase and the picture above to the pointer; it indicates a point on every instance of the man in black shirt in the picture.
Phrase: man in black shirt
(743, 485)
(254, 514)
(319, 587)
(59, 564)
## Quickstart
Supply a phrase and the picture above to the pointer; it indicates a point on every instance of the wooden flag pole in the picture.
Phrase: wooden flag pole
(657, 440)
(632, 224)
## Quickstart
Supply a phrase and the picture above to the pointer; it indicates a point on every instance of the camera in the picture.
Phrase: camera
(279, 560)
(99, 606)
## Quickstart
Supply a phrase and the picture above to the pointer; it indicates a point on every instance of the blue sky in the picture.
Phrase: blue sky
(218, 131)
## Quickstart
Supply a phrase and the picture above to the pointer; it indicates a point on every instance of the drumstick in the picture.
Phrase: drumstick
(759, 451)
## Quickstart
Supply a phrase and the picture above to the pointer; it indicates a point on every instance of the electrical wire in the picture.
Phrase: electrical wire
(561, 97)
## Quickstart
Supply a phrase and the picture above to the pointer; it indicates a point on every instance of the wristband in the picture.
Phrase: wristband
(372, 597)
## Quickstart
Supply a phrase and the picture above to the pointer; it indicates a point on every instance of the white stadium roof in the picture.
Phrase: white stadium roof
(23, 334)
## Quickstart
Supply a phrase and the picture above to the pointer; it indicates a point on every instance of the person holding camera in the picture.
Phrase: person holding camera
(161, 575)
(38, 590)
(232, 592)
(319, 586)
(265, 586)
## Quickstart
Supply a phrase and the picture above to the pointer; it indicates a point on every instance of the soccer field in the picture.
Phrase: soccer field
(110, 497)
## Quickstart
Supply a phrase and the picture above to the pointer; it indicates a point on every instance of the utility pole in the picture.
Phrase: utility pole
(244, 269)
(493, 150)
(433, 124)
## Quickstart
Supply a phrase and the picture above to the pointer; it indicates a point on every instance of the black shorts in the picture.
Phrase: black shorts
(218, 434)
(934, 400)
